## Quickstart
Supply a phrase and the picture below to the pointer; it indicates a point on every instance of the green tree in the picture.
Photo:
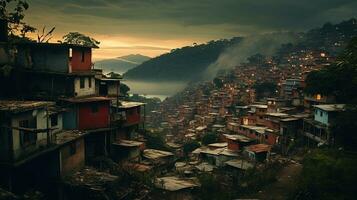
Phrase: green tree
(340, 80)
(327, 174)
(218, 82)
(190, 146)
(13, 13)
(80, 39)
(124, 89)
(265, 89)
(209, 138)
(156, 141)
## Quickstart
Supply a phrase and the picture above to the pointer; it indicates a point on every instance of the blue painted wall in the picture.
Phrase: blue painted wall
(321, 116)
(70, 119)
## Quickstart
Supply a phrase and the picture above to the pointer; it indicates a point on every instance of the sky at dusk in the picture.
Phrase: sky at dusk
(153, 27)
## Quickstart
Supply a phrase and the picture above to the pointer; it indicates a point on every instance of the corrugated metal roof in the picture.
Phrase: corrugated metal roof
(331, 107)
(21, 106)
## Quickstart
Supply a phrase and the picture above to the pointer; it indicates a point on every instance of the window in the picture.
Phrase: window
(81, 82)
(266, 137)
(95, 108)
(89, 82)
(70, 53)
(83, 54)
(72, 148)
(54, 120)
(320, 113)
(27, 137)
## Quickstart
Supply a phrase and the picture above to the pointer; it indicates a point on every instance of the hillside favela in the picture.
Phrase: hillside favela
(178, 100)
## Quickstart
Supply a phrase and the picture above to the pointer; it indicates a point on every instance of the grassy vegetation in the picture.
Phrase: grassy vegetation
(328, 174)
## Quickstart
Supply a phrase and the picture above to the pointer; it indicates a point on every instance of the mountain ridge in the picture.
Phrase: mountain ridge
(121, 64)
(189, 63)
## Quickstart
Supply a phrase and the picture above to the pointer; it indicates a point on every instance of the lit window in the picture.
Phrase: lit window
(318, 96)
(70, 53)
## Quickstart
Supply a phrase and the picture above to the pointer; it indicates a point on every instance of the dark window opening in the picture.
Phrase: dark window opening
(54, 120)
(73, 148)
(95, 108)
(90, 82)
(83, 54)
(81, 82)
(27, 137)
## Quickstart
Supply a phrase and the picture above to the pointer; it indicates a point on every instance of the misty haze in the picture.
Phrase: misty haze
(178, 100)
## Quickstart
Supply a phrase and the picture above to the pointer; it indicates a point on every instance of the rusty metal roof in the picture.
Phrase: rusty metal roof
(258, 148)
(22, 106)
(86, 99)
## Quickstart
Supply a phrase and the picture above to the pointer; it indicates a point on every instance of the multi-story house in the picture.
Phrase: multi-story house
(317, 130)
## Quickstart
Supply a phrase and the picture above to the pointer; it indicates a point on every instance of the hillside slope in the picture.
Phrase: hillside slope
(121, 64)
(191, 62)
(182, 64)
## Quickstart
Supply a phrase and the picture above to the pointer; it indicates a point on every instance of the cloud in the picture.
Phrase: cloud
(138, 47)
(265, 44)
(186, 20)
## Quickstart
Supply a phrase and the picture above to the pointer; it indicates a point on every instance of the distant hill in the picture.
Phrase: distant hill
(191, 62)
(182, 64)
(121, 64)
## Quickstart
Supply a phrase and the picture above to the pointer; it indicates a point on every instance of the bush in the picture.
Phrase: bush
(190, 146)
(209, 138)
(327, 174)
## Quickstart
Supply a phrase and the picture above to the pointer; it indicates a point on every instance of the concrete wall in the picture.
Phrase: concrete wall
(41, 137)
(113, 89)
(86, 91)
(72, 161)
(41, 58)
(41, 123)
(4, 141)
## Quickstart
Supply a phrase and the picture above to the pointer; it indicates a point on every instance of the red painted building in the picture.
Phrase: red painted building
(129, 116)
(88, 113)
(237, 142)
(80, 59)
(93, 115)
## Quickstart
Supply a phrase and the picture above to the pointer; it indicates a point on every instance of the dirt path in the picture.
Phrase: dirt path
(284, 185)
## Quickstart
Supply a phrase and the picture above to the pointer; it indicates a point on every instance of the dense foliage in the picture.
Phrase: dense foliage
(12, 12)
(209, 138)
(190, 146)
(182, 64)
(189, 63)
(80, 39)
(327, 174)
(340, 81)
(265, 89)
(156, 141)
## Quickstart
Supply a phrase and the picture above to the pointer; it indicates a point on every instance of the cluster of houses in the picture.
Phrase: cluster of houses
(250, 128)
(57, 113)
